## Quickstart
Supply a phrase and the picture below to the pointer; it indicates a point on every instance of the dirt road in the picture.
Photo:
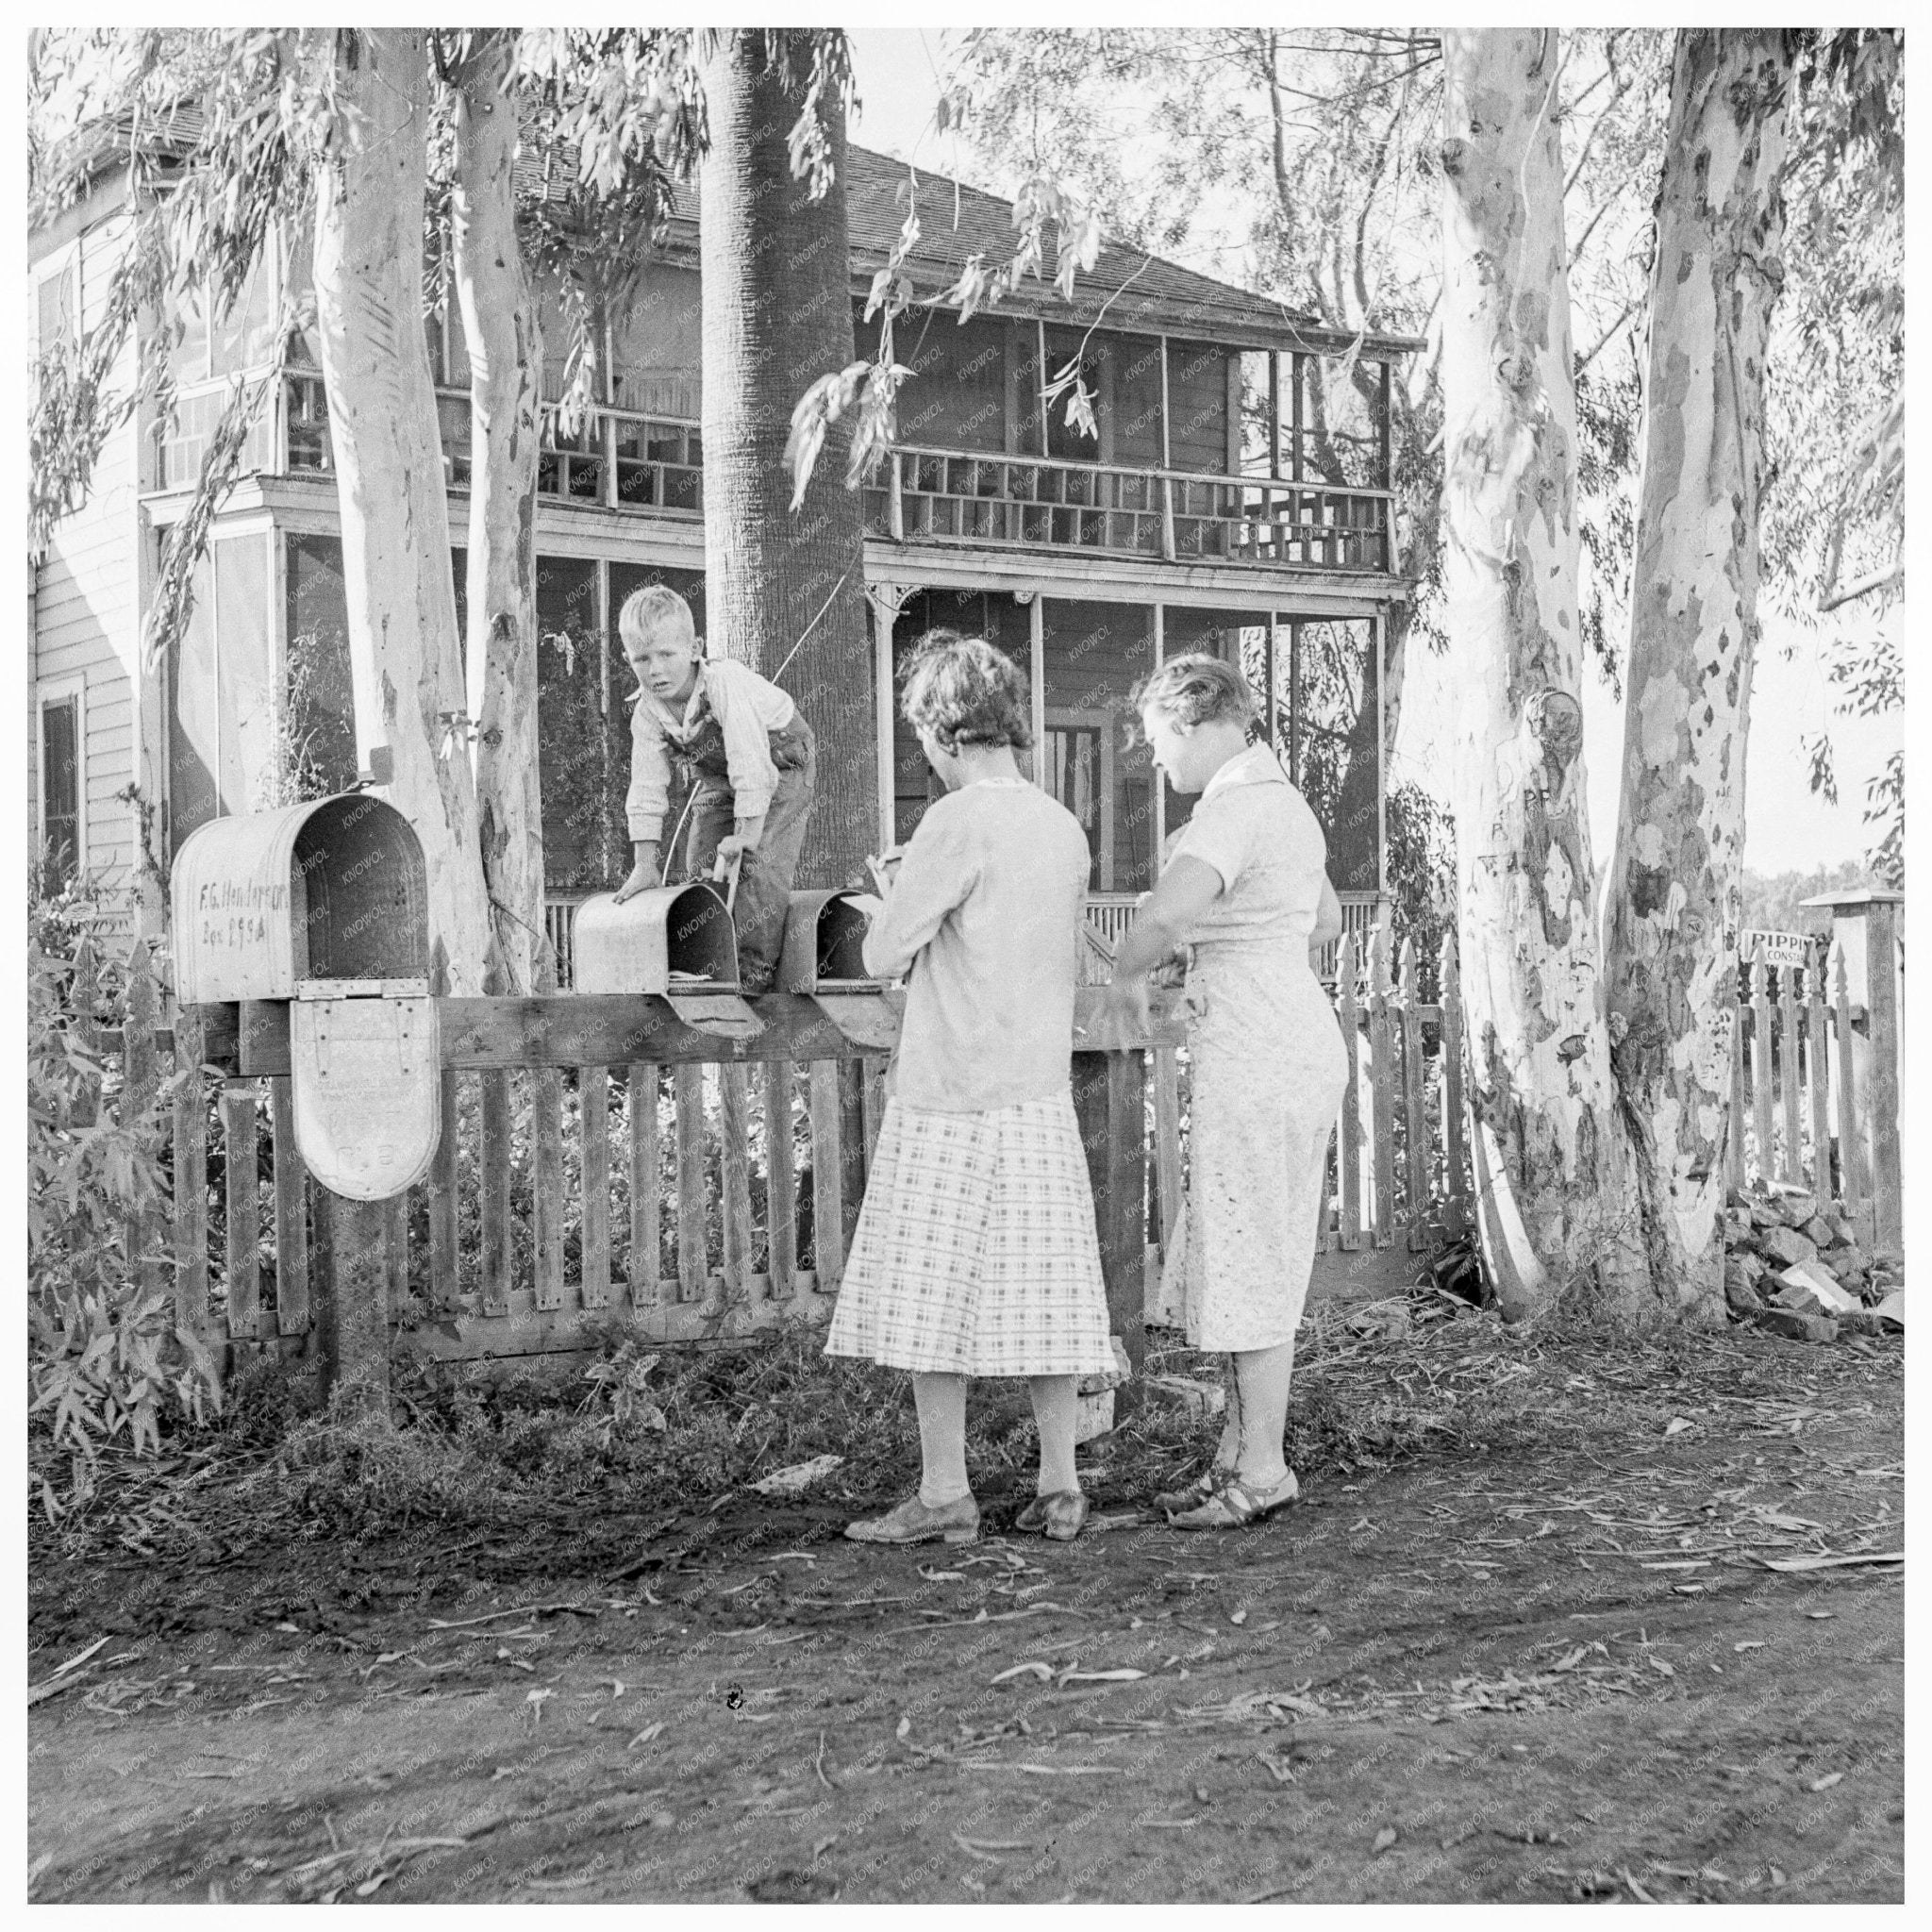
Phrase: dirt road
(1496, 1677)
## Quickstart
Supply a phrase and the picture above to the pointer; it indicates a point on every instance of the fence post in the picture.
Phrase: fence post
(358, 1296)
(1851, 1152)
(1761, 1067)
(140, 1084)
(1791, 1166)
(83, 991)
(1887, 1177)
(1109, 1098)
(1348, 1146)
(1865, 924)
(1455, 1153)
(1817, 1069)
(191, 1177)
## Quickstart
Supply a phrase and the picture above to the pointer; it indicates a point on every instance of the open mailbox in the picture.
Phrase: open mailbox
(825, 956)
(673, 941)
(324, 905)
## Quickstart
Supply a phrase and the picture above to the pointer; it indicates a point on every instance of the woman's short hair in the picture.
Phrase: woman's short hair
(1197, 690)
(965, 692)
(644, 610)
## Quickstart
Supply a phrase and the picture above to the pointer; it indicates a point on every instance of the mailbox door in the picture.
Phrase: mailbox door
(367, 1090)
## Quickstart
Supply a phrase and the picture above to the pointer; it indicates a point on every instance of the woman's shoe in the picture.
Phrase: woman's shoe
(1062, 1515)
(1193, 1495)
(913, 1523)
(1232, 1504)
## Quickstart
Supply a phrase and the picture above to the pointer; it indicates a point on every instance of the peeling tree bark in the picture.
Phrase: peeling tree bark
(777, 313)
(1673, 904)
(501, 334)
(405, 659)
(1554, 1210)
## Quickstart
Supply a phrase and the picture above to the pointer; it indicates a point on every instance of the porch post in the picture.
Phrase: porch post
(885, 602)
(1035, 673)
(1160, 656)
(1377, 627)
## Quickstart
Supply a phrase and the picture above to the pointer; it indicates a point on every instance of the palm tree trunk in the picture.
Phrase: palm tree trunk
(405, 658)
(777, 313)
(1555, 1214)
(1675, 903)
(501, 333)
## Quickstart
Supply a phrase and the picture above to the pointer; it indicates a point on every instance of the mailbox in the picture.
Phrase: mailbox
(824, 941)
(325, 905)
(674, 942)
(331, 889)
(824, 955)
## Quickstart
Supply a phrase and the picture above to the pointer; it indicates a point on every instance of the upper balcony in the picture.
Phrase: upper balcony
(1221, 439)
(951, 499)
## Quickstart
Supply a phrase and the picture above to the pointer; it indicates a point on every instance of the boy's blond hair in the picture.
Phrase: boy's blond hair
(646, 609)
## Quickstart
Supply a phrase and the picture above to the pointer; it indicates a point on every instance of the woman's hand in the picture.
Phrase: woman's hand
(1126, 1020)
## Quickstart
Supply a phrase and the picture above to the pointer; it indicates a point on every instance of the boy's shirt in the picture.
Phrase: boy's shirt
(748, 709)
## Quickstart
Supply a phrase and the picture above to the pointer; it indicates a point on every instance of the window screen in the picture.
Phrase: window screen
(60, 790)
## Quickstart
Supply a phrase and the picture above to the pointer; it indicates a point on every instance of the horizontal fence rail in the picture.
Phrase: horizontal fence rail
(602, 1161)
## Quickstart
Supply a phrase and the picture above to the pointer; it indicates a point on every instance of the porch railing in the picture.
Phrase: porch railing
(620, 459)
(948, 496)
(623, 461)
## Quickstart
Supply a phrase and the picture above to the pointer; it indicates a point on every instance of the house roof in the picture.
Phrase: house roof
(1134, 291)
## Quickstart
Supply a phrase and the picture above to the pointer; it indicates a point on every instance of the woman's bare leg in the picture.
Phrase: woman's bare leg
(1261, 1379)
(941, 1404)
(1056, 1411)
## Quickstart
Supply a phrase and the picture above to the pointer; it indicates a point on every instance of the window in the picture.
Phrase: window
(60, 310)
(61, 828)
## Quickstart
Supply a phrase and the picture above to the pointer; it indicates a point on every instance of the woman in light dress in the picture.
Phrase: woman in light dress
(1245, 885)
(976, 1251)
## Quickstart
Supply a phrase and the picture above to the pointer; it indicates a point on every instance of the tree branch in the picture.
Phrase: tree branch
(1862, 587)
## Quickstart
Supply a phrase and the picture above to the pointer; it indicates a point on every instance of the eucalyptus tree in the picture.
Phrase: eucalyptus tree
(504, 346)
(406, 657)
(1672, 908)
(1550, 1176)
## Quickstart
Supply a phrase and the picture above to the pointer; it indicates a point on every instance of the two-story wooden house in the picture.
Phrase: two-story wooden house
(1234, 496)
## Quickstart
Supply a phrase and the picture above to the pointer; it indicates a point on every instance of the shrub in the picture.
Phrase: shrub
(105, 1361)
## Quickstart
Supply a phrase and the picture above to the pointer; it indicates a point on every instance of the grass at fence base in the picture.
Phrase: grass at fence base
(533, 1440)
(551, 1447)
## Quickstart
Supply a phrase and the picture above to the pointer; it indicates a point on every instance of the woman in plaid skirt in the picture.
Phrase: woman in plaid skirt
(975, 1252)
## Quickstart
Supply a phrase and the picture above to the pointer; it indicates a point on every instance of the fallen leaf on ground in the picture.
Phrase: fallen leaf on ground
(1677, 1426)
(797, 1476)
(1043, 1672)
(645, 1736)
(1749, 1643)
(1825, 1783)
(1830, 1562)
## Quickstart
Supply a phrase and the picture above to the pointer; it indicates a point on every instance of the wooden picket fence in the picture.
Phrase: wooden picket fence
(709, 1189)
(1815, 1088)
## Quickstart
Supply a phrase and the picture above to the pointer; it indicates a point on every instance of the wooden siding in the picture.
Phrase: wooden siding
(85, 619)
(1197, 406)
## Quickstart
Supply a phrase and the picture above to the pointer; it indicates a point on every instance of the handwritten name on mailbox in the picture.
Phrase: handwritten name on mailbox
(237, 915)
